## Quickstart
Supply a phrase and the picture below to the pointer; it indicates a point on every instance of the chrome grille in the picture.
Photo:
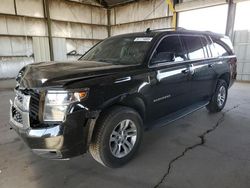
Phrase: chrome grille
(19, 111)
(22, 101)
(20, 98)
(27, 101)
(17, 116)
(34, 107)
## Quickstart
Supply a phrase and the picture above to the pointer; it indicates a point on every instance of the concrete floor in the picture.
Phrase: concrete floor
(200, 151)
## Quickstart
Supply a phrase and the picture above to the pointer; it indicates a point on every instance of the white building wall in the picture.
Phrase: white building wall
(32, 8)
(242, 51)
(7, 7)
(83, 24)
(139, 16)
(41, 49)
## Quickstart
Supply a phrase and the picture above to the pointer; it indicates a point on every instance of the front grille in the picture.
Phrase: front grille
(34, 106)
(20, 98)
(17, 116)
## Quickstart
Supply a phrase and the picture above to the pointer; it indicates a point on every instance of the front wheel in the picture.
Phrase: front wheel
(117, 137)
(219, 98)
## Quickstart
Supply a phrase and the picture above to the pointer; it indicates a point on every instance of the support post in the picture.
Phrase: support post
(109, 21)
(172, 9)
(230, 18)
(48, 21)
(15, 7)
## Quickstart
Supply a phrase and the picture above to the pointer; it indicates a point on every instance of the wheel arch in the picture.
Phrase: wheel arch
(134, 101)
(226, 77)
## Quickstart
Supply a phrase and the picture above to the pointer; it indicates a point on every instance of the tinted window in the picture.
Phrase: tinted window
(169, 50)
(194, 47)
(228, 42)
(220, 49)
(213, 50)
(120, 50)
(206, 47)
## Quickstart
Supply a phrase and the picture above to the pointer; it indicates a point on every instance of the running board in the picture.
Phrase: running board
(176, 115)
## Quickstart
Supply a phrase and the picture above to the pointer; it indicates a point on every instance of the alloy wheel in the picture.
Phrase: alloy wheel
(221, 97)
(123, 138)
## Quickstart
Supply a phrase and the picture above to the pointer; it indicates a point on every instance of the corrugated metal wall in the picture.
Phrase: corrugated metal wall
(242, 49)
(41, 49)
(9, 66)
(24, 35)
(139, 16)
(75, 27)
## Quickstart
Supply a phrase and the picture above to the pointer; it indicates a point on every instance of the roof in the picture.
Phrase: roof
(153, 33)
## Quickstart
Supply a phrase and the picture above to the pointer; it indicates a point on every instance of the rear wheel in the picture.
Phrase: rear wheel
(117, 137)
(219, 98)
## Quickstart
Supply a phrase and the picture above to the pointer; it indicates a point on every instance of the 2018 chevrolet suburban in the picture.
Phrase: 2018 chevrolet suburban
(122, 86)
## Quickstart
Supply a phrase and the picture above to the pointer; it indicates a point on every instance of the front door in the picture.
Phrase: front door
(170, 84)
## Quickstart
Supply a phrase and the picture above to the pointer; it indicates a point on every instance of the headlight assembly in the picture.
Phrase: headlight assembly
(57, 102)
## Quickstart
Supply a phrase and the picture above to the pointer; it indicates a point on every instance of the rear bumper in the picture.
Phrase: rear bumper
(61, 141)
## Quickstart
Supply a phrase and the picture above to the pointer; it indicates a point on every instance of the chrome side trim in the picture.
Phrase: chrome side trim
(125, 79)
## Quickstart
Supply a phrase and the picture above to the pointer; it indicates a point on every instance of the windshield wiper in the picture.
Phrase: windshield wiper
(104, 60)
(101, 60)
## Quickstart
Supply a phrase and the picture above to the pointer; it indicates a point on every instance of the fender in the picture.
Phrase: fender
(135, 101)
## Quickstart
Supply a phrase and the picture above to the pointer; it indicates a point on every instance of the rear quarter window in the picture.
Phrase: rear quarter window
(222, 47)
(228, 42)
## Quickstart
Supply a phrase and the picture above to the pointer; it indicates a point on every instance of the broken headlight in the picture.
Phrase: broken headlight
(57, 102)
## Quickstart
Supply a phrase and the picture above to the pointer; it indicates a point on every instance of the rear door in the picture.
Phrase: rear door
(203, 77)
(170, 84)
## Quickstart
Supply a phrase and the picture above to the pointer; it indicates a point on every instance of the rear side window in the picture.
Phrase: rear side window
(221, 46)
(194, 47)
(228, 42)
(220, 49)
(206, 47)
(169, 50)
(213, 49)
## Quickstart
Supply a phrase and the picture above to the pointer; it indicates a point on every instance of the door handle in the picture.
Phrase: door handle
(186, 71)
(189, 70)
(210, 65)
(125, 79)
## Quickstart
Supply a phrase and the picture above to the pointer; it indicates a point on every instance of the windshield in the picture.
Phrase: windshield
(120, 50)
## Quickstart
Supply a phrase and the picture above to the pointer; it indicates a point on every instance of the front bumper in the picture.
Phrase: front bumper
(60, 141)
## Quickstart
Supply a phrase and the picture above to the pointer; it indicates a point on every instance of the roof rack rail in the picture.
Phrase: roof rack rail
(165, 29)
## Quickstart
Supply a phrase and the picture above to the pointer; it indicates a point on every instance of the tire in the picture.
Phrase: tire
(115, 152)
(219, 98)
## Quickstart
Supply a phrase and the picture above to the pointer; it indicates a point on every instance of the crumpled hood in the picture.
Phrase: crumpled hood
(56, 74)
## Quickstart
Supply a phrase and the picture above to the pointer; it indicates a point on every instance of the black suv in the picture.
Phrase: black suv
(124, 85)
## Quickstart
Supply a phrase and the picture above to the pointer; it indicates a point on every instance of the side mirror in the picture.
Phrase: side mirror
(163, 57)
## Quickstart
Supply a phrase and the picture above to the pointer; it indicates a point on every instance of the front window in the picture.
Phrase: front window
(120, 50)
(169, 50)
